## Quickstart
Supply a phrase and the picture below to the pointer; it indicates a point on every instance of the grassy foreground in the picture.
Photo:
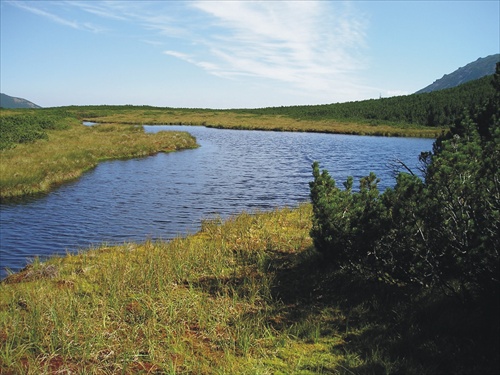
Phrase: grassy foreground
(37, 167)
(245, 296)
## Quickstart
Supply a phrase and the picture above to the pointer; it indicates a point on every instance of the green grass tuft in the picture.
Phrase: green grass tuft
(246, 296)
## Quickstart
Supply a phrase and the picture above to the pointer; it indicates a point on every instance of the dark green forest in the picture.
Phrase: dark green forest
(435, 109)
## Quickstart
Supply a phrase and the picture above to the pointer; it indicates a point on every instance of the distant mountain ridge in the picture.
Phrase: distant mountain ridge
(481, 67)
(7, 101)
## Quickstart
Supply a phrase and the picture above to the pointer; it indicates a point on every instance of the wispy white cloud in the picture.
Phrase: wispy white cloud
(188, 58)
(54, 17)
(310, 45)
(100, 9)
(313, 46)
(154, 16)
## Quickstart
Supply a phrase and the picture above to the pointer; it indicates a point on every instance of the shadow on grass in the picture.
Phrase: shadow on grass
(382, 328)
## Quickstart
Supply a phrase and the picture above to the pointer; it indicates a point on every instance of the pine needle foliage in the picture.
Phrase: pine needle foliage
(441, 231)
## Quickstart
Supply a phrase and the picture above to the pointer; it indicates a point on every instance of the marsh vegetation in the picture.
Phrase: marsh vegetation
(246, 296)
(64, 152)
(357, 283)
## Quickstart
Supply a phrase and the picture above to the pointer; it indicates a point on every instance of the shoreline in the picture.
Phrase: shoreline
(291, 125)
(246, 293)
(39, 167)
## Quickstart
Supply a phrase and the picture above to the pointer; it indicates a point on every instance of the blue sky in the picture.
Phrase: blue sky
(235, 54)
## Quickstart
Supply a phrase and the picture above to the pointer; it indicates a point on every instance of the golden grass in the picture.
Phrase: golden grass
(245, 296)
(235, 120)
(201, 304)
(39, 166)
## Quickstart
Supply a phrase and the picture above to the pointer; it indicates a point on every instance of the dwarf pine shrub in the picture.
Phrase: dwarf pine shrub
(441, 230)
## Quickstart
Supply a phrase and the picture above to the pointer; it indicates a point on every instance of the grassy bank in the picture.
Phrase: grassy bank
(37, 167)
(47, 157)
(245, 296)
(235, 119)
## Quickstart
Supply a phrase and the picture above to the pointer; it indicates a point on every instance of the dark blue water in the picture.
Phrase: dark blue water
(168, 195)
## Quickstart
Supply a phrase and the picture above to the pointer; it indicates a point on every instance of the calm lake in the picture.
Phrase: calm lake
(167, 195)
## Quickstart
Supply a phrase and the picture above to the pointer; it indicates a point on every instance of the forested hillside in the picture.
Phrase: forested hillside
(436, 109)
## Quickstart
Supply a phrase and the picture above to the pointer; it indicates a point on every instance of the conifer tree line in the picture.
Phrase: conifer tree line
(442, 230)
(435, 109)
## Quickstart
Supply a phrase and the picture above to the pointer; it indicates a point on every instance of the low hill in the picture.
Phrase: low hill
(475, 70)
(7, 101)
